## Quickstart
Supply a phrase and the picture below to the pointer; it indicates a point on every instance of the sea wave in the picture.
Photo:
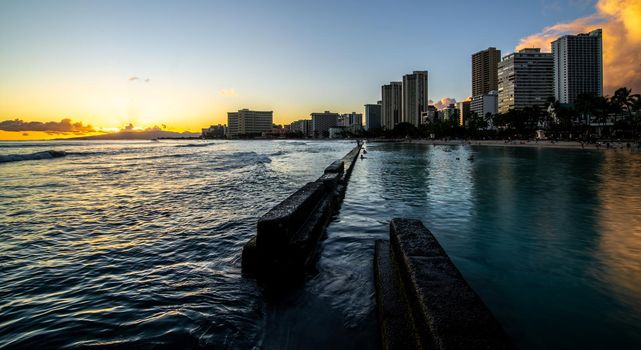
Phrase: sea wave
(50, 154)
(251, 157)
(279, 153)
(240, 160)
(198, 144)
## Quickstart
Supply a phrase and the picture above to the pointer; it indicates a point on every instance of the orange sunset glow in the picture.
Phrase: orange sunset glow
(112, 79)
(621, 23)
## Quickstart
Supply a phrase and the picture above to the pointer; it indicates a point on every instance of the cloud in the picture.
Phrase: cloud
(621, 24)
(231, 92)
(132, 79)
(154, 128)
(444, 102)
(132, 128)
(64, 126)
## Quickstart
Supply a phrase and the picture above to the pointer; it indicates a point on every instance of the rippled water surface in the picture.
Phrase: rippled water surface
(124, 243)
(138, 243)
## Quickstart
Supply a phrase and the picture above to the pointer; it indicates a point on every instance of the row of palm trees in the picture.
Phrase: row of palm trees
(591, 116)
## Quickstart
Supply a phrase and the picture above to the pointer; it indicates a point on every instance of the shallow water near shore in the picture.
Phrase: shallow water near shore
(138, 243)
(550, 238)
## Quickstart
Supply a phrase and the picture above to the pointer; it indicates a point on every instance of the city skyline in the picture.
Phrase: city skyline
(127, 69)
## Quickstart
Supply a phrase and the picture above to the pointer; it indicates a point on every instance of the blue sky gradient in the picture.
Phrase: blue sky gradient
(294, 57)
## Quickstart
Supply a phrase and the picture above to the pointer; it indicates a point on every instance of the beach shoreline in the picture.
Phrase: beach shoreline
(521, 143)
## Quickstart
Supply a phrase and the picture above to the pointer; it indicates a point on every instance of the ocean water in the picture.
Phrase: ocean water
(138, 243)
(549, 238)
(126, 244)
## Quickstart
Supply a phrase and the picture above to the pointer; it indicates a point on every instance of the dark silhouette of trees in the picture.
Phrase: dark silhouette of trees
(405, 130)
(601, 116)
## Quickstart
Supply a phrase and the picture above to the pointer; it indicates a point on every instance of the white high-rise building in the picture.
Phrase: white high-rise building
(392, 106)
(526, 79)
(578, 66)
(246, 122)
(414, 97)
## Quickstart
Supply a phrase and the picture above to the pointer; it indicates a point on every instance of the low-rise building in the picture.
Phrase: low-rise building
(214, 132)
(248, 123)
(303, 126)
(464, 111)
(450, 113)
(350, 119)
(484, 105)
(277, 131)
(321, 122)
(430, 116)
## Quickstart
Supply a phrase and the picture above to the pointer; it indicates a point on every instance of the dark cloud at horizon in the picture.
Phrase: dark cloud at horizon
(63, 126)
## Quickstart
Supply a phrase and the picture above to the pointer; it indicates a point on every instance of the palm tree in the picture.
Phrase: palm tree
(585, 106)
(636, 119)
(602, 109)
(624, 100)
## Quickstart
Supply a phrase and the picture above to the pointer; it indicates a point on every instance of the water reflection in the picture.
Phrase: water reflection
(620, 227)
(529, 228)
(138, 244)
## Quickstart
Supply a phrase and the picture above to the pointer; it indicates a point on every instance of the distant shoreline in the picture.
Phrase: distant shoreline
(601, 145)
(520, 143)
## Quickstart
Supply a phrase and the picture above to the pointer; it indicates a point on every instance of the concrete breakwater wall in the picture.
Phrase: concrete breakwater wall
(423, 302)
(287, 235)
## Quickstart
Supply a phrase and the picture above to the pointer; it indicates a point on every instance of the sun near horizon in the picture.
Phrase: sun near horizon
(183, 66)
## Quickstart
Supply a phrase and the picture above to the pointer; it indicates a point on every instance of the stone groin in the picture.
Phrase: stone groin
(423, 301)
(287, 235)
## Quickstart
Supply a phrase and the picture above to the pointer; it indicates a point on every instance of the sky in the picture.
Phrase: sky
(182, 65)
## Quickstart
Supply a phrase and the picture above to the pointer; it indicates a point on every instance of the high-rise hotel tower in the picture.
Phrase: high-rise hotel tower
(391, 104)
(485, 71)
(578, 66)
(526, 79)
(414, 97)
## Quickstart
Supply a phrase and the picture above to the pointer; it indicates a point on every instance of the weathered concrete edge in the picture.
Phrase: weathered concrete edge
(302, 219)
(446, 312)
(394, 321)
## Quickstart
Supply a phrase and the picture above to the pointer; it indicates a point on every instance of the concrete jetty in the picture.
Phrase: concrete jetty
(287, 235)
(423, 302)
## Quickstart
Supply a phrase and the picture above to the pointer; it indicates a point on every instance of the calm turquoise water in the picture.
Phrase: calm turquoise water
(550, 239)
(138, 243)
